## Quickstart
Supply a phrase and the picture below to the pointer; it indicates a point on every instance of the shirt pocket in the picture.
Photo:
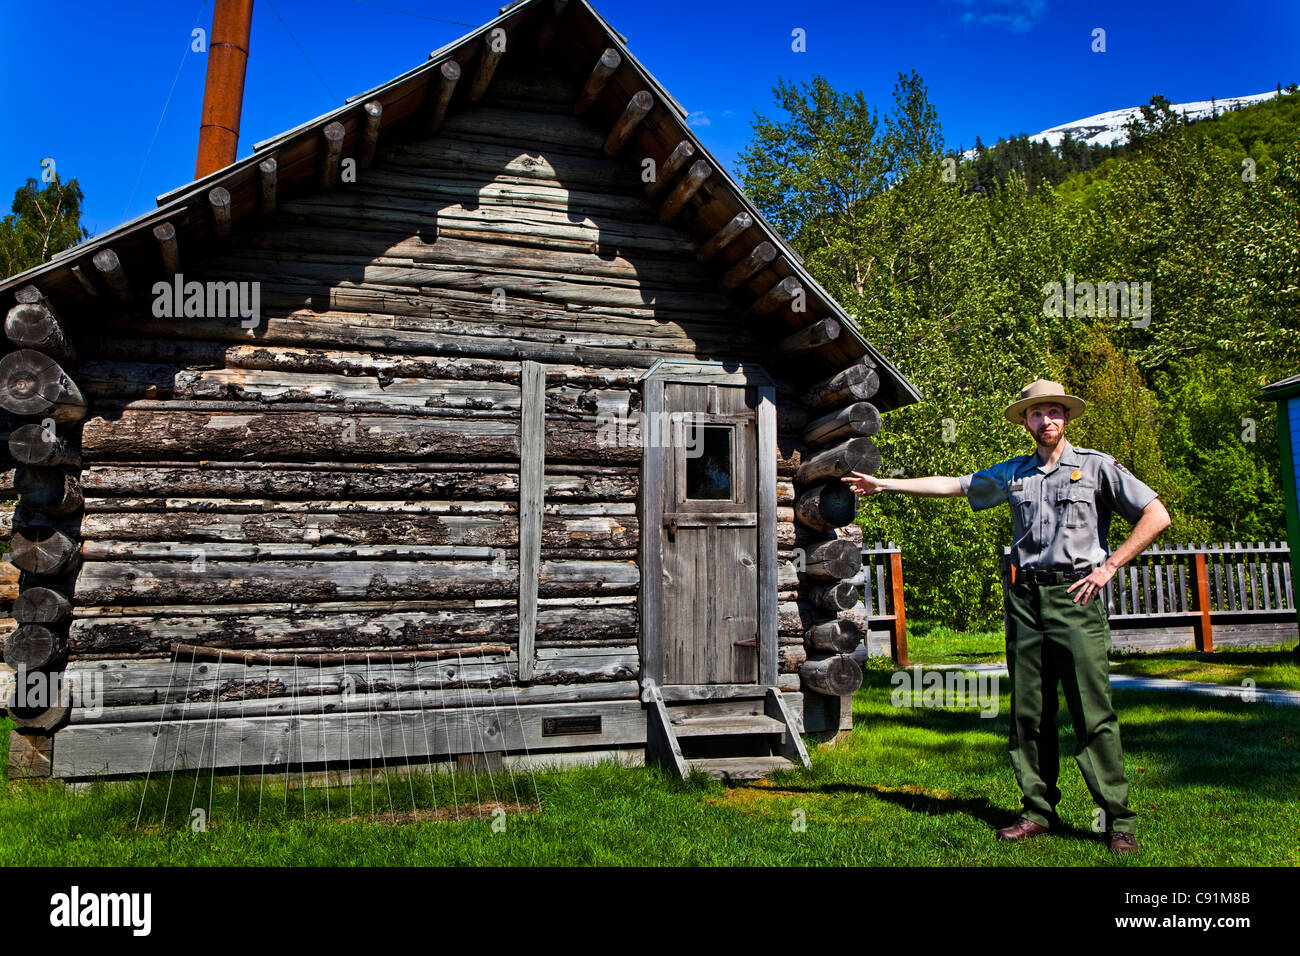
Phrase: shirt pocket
(1022, 507)
(1076, 505)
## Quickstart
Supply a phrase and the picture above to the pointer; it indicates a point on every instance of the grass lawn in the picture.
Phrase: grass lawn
(1215, 782)
(1275, 666)
(931, 643)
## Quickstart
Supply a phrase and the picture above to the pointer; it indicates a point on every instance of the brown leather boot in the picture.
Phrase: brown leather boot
(1022, 829)
(1123, 842)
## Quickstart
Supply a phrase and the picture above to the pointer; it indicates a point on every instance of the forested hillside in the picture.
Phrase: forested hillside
(1256, 131)
(952, 282)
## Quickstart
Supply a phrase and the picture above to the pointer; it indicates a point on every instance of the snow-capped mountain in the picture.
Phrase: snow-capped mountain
(1107, 129)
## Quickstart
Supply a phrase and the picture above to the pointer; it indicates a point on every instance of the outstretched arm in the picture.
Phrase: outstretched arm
(933, 486)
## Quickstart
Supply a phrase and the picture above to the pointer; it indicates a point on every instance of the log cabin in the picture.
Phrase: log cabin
(484, 413)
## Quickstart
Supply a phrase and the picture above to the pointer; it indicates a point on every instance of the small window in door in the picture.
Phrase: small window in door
(708, 463)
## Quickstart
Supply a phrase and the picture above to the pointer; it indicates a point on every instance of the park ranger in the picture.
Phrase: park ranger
(1061, 500)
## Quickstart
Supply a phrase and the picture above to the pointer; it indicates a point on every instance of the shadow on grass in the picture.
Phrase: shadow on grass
(878, 688)
(1243, 656)
(1197, 740)
(1231, 743)
(916, 799)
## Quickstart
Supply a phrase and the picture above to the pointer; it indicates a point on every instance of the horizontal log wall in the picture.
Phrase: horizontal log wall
(209, 500)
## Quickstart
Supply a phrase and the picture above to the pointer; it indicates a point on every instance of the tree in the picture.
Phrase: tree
(915, 135)
(1223, 443)
(811, 173)
(1154, 120)
(1125, 419)
(948, 287)
(43, 222)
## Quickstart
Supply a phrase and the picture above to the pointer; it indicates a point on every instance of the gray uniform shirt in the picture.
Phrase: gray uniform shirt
(1060, 518)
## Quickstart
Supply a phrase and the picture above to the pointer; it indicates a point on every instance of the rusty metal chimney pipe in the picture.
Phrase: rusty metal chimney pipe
(223, 93)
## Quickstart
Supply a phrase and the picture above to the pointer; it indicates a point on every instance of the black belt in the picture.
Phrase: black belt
(1051, 577)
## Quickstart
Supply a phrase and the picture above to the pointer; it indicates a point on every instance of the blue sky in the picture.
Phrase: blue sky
(93, 101)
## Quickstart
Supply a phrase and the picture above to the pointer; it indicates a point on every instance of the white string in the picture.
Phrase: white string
(464, 696)
(162, 717)
(524, 737)
(243, 729)
(372, 728)
(401, 729)
(149, 151)
(458, 23)
(370, 741)
(302, 51)
(424, 720)
(383, 757)
(203, 746)
(297, 725)
(446, 729)
(266, 727)
(347, 735)
(321, 738)
(216, 730)
(189, 684)
(482, 744)
(288, 755)
(501, 727)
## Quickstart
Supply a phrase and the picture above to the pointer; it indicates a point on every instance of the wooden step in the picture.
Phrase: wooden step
(724, 724)
(717, 708)
(739, 768)
(674, 693)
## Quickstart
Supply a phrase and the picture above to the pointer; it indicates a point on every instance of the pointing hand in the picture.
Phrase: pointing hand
(864, 484)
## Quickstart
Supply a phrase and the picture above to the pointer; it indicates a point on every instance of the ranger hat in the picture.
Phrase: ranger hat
(1043, 391)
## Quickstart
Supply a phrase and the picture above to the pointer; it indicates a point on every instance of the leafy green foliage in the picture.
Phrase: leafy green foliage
(1221, 443)
(1219, 248)
(1261, 131)
(813, 174)
(949, 283)
(44, 221)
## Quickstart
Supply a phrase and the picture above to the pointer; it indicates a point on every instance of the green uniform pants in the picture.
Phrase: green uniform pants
(1050, 638)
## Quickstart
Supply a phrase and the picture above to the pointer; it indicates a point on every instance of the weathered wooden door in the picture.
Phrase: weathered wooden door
(714, 529)
(710, 535)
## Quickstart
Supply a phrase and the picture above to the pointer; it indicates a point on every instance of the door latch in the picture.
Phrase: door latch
(671, 525)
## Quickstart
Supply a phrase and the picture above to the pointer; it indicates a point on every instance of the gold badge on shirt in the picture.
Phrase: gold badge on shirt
(1076, 475)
